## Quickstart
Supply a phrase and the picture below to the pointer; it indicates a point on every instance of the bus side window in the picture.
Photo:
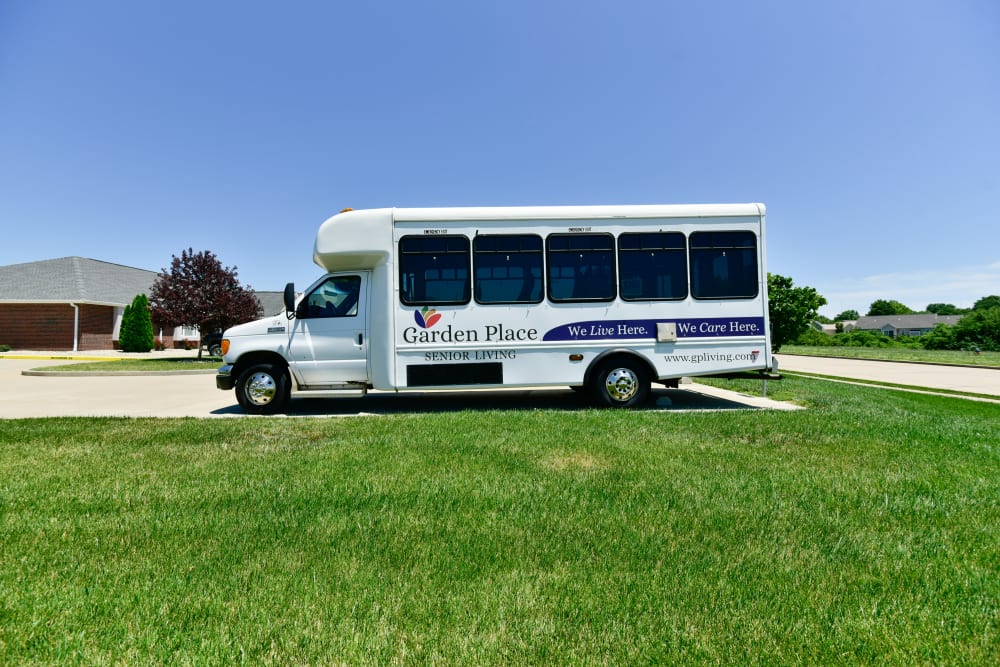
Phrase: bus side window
(581, 267)
(508, 268)
(652, 266)
(434, 270)
(724, 265)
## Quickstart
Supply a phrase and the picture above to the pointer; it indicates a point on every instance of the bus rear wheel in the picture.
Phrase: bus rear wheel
(263, 389)
(620, 383)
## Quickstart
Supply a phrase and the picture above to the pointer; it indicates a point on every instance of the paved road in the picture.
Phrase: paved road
(196, 396)
(953, 378)
(131, 396)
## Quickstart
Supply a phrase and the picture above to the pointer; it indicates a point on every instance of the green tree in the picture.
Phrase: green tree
(136, 332)
(125, 328)
(790, 309)
(980, 328)
(847, 315)
(987, 302)
(941, 337)
(888, 307)
(198, 291)
(943, 309)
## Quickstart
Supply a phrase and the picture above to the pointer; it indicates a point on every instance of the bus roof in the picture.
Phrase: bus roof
(577, 212)
(354, 240)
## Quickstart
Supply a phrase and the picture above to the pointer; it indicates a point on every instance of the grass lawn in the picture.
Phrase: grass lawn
(864, 530)
(132, 365)
(989, 359)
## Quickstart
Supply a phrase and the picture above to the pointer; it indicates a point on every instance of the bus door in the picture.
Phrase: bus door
(329, 340)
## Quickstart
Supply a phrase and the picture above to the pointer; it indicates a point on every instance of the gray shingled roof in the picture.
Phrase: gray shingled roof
(83, 280)
(73, 279)
(918, 321)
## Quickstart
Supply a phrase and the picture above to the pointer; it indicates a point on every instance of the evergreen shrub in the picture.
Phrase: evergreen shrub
(136, 333)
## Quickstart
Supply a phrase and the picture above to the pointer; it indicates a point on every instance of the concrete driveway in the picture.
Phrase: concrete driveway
(129, 396)
(195, 395)
(953, 378)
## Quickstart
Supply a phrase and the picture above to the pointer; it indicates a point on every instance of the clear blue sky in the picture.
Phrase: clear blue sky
(132, 130)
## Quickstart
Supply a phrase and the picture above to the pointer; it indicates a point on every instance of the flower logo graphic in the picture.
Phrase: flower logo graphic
(426, 317)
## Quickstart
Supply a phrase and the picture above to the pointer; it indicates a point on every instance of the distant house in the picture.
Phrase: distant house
(76, 303)
(844, 326)
(895, 326)
(822, 327)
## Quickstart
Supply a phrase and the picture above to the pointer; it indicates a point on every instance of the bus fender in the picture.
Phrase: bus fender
(617, 352)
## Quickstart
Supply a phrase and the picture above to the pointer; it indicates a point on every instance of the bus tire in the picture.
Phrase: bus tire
(621, 382)
(263, 389)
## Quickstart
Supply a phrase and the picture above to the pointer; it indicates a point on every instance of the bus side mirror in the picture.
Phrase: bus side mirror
(290, 300)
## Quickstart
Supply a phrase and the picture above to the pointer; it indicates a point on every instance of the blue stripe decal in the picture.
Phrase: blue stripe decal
(713, 327)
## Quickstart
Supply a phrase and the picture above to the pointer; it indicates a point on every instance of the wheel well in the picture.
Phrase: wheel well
(618, 354)
(252, 358)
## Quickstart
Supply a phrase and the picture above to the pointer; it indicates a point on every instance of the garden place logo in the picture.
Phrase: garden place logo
(487, 333)
(426, 317)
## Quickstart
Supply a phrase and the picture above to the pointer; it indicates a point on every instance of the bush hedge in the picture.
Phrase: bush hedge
(979, 329)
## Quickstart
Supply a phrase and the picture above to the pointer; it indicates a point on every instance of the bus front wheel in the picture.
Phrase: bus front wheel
(263, 389)
(620, 383)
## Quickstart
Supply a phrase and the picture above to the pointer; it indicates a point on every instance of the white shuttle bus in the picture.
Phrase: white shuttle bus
(606, 299)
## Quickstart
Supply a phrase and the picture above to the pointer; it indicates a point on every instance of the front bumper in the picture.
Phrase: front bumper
(224, 378)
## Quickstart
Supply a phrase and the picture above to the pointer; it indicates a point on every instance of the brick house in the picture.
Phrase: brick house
(76, 303)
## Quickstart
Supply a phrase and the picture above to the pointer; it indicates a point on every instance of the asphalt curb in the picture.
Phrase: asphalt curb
(109, 356)
(99, 355)
(53, 357)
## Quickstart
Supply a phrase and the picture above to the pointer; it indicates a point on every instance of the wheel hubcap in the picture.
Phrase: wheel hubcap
(261, 388)
(621, 384)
